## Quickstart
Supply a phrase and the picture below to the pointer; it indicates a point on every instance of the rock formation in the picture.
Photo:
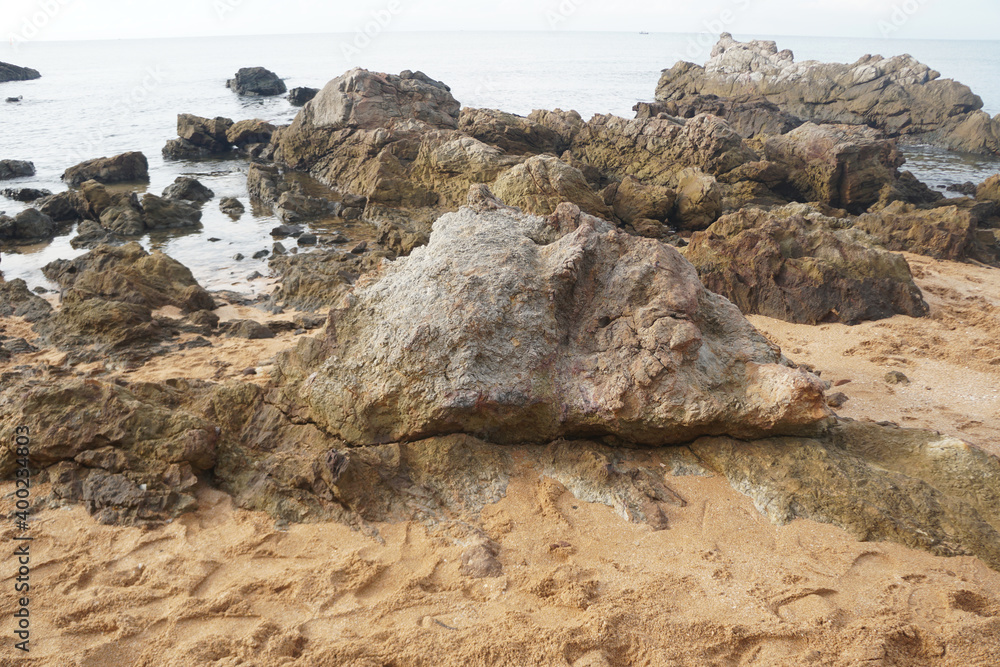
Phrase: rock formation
(15, 169)
(797, 265)
(257, 82)
(10, 72)
(528, 329)
(199, 138)
(898, 96)
(124, 168)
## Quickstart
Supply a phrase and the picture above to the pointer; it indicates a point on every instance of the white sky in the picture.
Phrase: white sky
(123, 19)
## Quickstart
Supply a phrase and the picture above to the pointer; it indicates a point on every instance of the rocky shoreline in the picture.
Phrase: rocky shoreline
(537, 297)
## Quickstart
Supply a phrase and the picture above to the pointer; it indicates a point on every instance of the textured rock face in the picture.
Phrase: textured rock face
(250, 132)
(299, 96)
(28, 225)
(654, 150)
(543, 182)
(163, 213)
(368, 100)
(511, 133)
(186, 188)
(199, 137)
(15, 169)
(126, 167)
(10, 72)
(989, 190)
(257, 82)
(802, 269)
(945, 232)
(898, 96)
(524, 329)
(25, 194)
(749, 118)
(843, 166)
(18, 301)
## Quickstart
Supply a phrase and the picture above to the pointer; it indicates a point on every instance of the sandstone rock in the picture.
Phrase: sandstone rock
(843, 166)
(632, 200)
(10, 72)
(188, 189)
(319, 279)
(130, 274)
(25, 194)
(543, 182)
(248, 329)
(895, 377)
(511, 133)
(162, 213)
(250, 132)
(16, 300)
(989, 190)
(124, 218)
(257, 82)
(368, 100)
(293, 207)
(654, 150)
(750, 118)
(906, 189)
(802, 269)
(126, 167)
(299, 96)
(28, 225)
(523, 336)
(899, 96)
(566, 124)
(946, 232)
(15, 169)
(699, 199)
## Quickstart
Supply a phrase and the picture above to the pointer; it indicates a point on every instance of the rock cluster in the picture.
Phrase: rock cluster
(898, 96)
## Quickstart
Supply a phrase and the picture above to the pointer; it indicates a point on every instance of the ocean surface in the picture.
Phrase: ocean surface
(101, 98)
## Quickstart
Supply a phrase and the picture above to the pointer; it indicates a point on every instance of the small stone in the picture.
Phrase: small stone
(281, 231)
(278, 249)
(837, 400)
(214, 239)
(249, 371)
(255, 275)
(841, 383)
(239, 257)
(360, 248)
(895, 377)
(352, 213)
(308, 239)
(40, 290)
(261, 254)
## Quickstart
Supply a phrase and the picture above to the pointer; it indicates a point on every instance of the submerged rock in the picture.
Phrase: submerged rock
(188, 189)
(25, 194)
(10, 72)
(257, 82)
(15, 169)
(527, 329)
(127, 167)
(801, 267)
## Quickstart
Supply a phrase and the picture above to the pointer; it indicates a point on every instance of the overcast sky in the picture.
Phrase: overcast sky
(117, 19)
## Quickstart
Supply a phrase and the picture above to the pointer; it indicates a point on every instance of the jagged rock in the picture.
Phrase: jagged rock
(529, 329)
(840, 165)
(750, 118)
(15, 169)
(293, 207)
(250, 132)
(199, 138)
(512, 133)
(796, 265)
(968, 188)
(130, 274)
(231, 206)
(655, 150)
(264, 183)
(699, 199)
(898, 96)
(96, 328)
(126, 167)
(257, 82)
(161, 213)
(10, 72)
(906, 189)
(248, 329)
(946, 232)
(566, 124)
(25, 194)
(28, 225)
(319, 279)
(188, 189)
(90, 234)
(543, 182)
(16, 300)
(124, 218)
(129, 455)
(64, 206)
(632, 200)
(299, 96)
(989, 190)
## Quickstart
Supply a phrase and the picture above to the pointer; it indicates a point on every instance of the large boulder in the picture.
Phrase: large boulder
(699, 199)
(163, 213)
(129, 274)
(796, 265)
(250, 132)
(840, 165)
(188, 189)
(989, 190)
(898, 96)
(257, 82)
(655, 150)
(543, 182)
(524, 329)
(944, 232)
(63, 206)
(15, 169)
(124, 168)
(632, 200)
(28, 225)
(10, 72)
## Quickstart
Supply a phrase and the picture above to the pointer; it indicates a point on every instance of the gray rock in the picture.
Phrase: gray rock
(15, 169)
(257, 82)
(10, 72)
(231, 206)
(188, 189)
(29, 224)
(25, 194)
(299, 96)
(161, 213)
